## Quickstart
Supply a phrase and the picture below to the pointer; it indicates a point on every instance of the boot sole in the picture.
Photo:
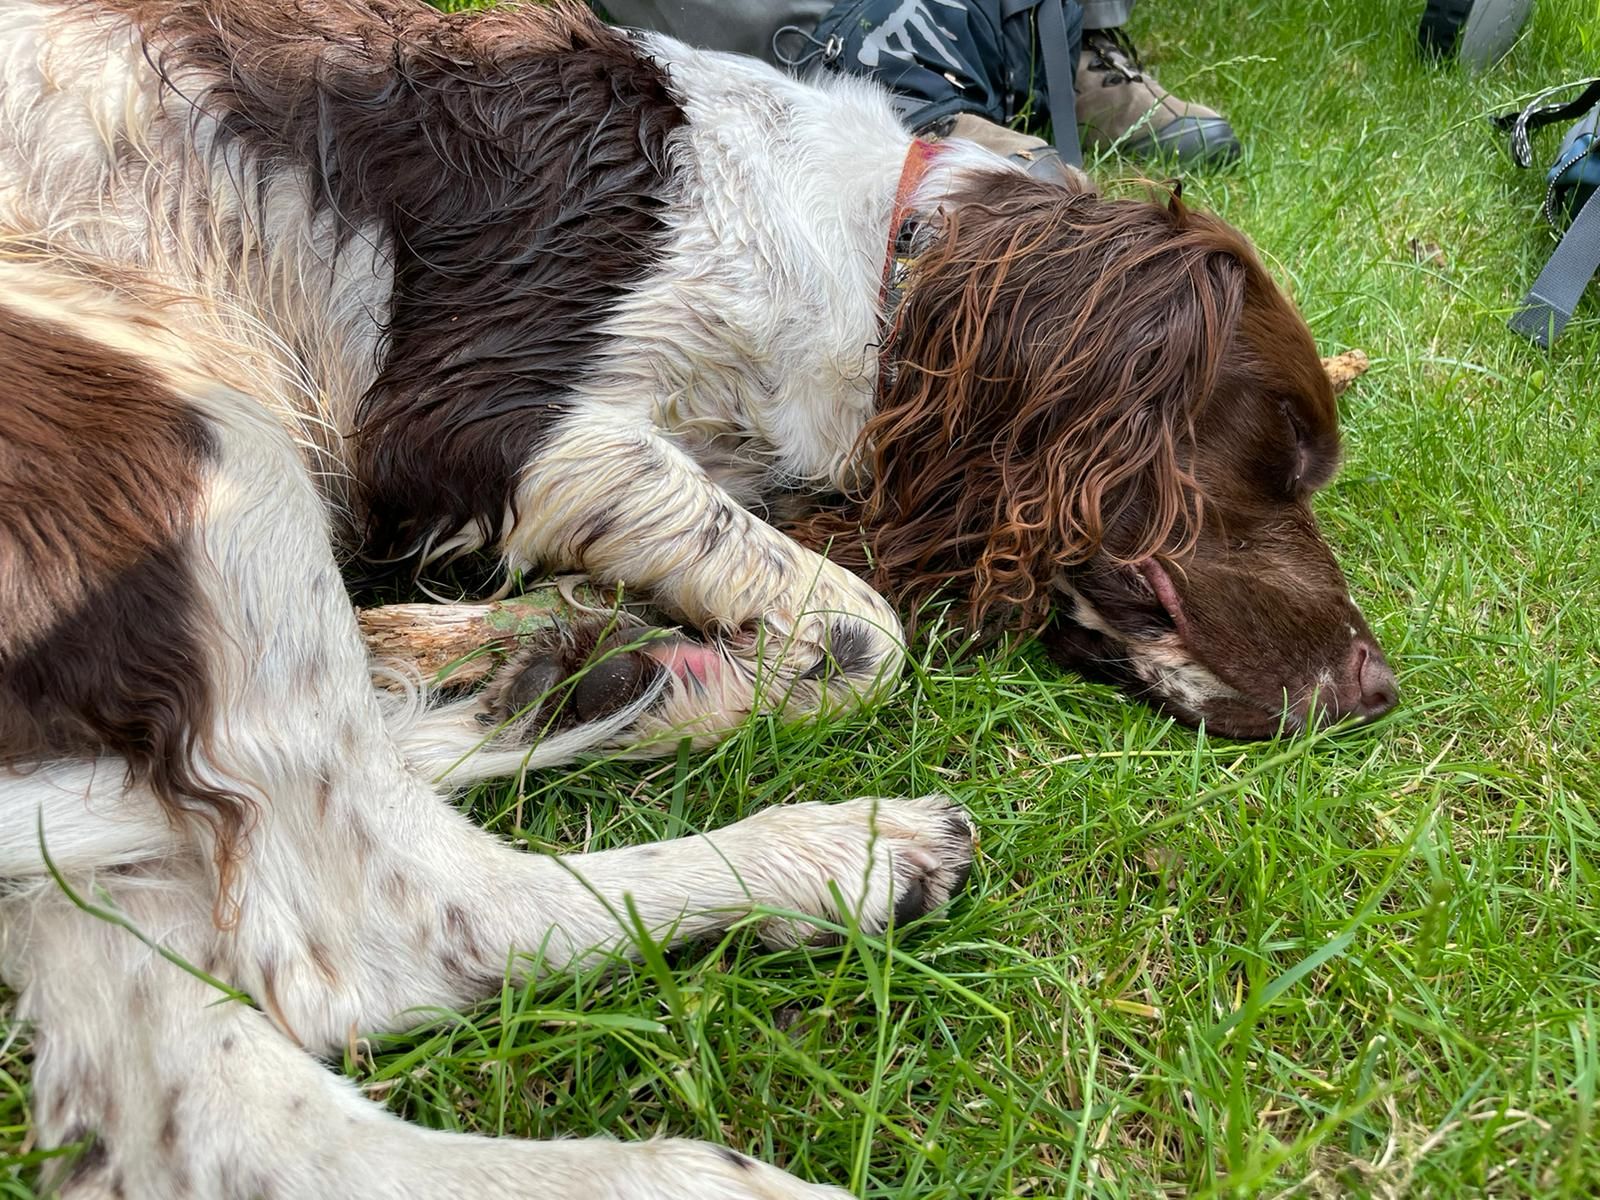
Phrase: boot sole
(1188, 141)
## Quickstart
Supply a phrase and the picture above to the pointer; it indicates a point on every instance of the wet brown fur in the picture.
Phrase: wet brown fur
(516, 161)
(1083, 384)
(100, 647)
(1055, 358)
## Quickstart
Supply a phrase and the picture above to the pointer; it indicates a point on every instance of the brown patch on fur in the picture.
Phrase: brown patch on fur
(395, 888)
(320, 958)
(733, 1158)
(1051, 356)
(269, 998)
(362, 843)
(517, 163)
(94, 1159)
(98, 472)
(100, 649)
(469, 979)
(459, 930)
(464, 960)
(167, 1139)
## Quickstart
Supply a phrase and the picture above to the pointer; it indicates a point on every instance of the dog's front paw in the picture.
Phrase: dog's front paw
(815, 665)
(890, 860)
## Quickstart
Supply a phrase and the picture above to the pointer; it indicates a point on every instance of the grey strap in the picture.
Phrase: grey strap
(1056, 51)
(1554, 296)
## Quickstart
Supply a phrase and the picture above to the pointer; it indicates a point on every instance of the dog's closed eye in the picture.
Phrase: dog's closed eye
(1300, 460)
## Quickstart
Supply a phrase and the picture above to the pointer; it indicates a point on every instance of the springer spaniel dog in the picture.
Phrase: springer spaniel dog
(287, 285)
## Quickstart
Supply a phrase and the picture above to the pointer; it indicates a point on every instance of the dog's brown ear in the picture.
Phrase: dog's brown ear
(1047, 365)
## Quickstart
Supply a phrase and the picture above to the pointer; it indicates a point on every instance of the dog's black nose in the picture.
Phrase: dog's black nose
(1373, 687)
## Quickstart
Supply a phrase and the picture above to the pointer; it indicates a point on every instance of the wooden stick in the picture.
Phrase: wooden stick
(463, 643)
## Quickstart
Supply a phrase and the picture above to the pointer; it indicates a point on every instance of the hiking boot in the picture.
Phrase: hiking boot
(1037, 156)
(1121, 105)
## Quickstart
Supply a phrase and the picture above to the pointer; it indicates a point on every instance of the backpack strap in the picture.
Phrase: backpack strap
(1550, 302)
(1055, 48)
(1537, 115)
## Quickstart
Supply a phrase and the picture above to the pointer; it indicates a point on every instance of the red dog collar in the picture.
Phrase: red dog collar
(919, 157)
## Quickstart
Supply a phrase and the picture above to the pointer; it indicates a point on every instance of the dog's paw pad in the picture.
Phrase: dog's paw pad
(524, 686)
(580, 679)
(613, 683)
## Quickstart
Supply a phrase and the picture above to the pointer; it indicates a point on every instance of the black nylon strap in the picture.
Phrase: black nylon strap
(1554, 296)
(1533, 117)
(1055, 48)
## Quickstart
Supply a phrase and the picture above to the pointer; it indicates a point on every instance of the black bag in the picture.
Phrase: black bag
(1478, 32)
(1572, 191)
(743, 26)
(994, 58)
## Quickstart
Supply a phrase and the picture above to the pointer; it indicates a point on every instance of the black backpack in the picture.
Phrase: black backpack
(1572, 194)
(997, 59)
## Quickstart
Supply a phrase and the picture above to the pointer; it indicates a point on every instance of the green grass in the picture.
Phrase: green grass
(1359, 964)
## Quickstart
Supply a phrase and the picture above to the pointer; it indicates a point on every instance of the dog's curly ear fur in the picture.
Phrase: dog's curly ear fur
(1048, 363)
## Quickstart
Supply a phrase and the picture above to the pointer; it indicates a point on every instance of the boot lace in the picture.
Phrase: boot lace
(1114, 56)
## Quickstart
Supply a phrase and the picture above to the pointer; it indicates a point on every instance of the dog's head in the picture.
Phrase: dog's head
(1107, 422)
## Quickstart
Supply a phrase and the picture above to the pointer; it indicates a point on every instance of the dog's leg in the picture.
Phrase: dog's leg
(786, 630)
(363, 895)
(351, 893)
(181, 1093)
(413, 907)
(86, 814)
(431, 912)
